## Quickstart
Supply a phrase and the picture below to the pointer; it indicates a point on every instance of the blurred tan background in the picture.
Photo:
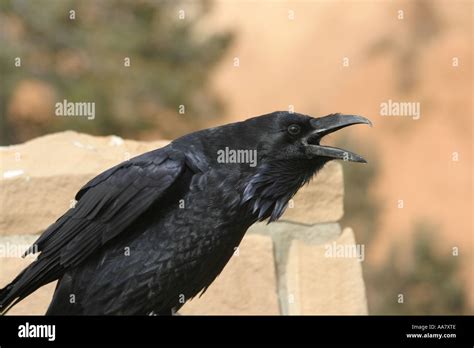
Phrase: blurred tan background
(229, 60)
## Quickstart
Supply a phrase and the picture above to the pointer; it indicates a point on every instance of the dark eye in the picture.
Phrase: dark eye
(294, 129)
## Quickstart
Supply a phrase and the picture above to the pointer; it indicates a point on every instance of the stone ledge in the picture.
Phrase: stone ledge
(39, 178)
(321, 284)
(284, 234)
(321, 200)
(11, 263)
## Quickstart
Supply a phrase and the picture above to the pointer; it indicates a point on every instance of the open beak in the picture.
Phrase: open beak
(329, 124)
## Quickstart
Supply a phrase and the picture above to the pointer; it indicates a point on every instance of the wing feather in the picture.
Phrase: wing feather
(106, 206)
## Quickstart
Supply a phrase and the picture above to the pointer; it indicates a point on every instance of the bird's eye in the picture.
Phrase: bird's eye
(294, 129)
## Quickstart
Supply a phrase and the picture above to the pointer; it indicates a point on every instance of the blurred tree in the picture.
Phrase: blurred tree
(80, 50)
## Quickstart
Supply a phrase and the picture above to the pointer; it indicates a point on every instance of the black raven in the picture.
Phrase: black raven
(160, 227)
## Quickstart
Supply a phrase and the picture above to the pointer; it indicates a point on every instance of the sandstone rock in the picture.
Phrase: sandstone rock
(11, 264)
(38, 179)
(247, 285)
(321, 200)
(283, 232)
(319, 281)
(283, 235)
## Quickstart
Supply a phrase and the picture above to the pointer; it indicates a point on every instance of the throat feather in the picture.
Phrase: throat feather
(268, 192)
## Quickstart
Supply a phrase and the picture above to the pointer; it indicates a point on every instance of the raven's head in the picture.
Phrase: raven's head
(289, 154)
(273, 154)
(292, 136)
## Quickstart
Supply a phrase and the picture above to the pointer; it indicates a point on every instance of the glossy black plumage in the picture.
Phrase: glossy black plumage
(152, 232)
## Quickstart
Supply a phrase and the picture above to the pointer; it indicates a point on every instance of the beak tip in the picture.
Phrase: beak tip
(364, 120)
(358, 159)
